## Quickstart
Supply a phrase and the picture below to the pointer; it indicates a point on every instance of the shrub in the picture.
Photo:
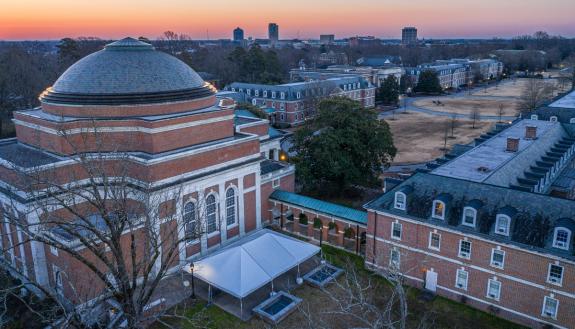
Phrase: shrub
(317, 223)
(348, 233)
(303, 219)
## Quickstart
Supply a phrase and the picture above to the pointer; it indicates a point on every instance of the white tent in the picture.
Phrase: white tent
(242, 268)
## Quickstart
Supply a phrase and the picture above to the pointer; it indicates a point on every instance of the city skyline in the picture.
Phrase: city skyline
(383, 19)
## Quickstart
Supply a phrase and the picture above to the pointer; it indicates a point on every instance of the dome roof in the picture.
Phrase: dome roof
(127, 71)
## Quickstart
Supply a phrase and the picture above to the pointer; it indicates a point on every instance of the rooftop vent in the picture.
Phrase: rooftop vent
(530, 132)
(483, 169)
(512, 144)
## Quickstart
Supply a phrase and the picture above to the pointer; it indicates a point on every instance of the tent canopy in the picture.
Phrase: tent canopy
(254, 261)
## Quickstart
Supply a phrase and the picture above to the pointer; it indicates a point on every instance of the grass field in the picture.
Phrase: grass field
(508, 88)
(420, 137)
(468, 104)
(439, 313)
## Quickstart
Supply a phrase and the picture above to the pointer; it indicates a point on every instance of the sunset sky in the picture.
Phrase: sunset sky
(109, 19)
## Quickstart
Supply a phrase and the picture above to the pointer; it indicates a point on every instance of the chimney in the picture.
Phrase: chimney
(512, 144)
(530, 132)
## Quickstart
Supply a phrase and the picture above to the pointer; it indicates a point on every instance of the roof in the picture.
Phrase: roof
(24, 156)
(241, 268)
(127, 67)
(539, 211)
(354, 215)
(567, 101)
(268, 166)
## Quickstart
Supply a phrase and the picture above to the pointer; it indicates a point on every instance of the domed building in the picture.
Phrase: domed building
(133, 108)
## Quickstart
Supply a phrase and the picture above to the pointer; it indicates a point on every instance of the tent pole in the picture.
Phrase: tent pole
(272, 285)
(298, 270)
(241, 308)
(209, 294)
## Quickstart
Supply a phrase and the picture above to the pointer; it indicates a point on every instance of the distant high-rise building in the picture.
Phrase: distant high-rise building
(326, 39)
(409, 35)
(238, 34)
(273, 32)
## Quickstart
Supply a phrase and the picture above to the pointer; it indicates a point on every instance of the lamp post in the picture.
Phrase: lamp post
(320, 235)
(193, 287)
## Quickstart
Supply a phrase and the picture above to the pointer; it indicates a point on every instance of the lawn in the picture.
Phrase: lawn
(439, 313)
(420, 137)
(468, 104)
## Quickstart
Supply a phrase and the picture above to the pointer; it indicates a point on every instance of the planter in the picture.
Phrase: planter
(349, 244)
(303, 229)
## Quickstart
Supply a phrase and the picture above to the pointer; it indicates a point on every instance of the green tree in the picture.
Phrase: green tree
(256, 65)
(428, 82)
(343, 145)
(388, 92)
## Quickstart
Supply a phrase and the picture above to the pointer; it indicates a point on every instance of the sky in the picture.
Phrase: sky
(113, 19)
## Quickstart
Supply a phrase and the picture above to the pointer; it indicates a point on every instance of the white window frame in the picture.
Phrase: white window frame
(283, 95)
(474, 216)
(276, 183)
(185, 220)
(58, 279)
(498, 284)
(265, 93)
(433, 214)
(233, 207)
(298, 95)
(508, 227)
(463, 286)
(494, 264)
(430, 239)
(54, 250)
(256, 92)
(555, 233)
(461, 255)
(393, 264)
(572, 120)
(273, 94)
(393, 225)
(216, 215)
(554, 315)
(560, 280)
(395, 203)
(553, 119)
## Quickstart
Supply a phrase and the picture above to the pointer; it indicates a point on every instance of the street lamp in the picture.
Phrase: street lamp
(320, 235)
(190, 269)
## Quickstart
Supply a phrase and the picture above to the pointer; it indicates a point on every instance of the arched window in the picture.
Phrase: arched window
(502, 224)
(572, 120)
(211, 214)
(399, 200)
(534, 117)
(553, 119)
(438, 210)
(231, 207)
(562, 238)
(190, 221)
(469, 216)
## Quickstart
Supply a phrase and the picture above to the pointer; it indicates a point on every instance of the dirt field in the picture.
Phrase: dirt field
(509, 88)
(420, 137)
(468, 104)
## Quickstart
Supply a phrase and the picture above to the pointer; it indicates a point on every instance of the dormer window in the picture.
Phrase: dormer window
(256, 92)
(534, 117)
(572, 120)
(438, 210)
(283, 95)
(273, 94)
(399, 201)
(502, 224)
(561, 238)
(469, 216)
(553, 119)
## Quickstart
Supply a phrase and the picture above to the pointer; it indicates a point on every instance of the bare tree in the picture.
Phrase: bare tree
(453, 124)
(536, 92)
(116, 235)
(474, 116)
(500, 112)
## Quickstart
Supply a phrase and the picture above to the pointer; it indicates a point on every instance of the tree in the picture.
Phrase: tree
(500, 112)
(536, 92)
(428, 82)
(121, 236)
(405, 84)
(388, 92)
(474, 116)
(342, 146)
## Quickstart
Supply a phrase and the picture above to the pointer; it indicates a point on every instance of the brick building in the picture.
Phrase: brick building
(153, 111)
(292, 103)
(484, 227)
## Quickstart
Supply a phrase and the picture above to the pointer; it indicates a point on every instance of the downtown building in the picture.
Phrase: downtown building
(147, 109)
(491, 224)
(292, 103)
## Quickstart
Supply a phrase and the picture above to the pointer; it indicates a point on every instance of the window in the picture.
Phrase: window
(555, 274)
(561, 238)
(273, 94)
(502, 224)
(550, 306)
(249, 92)
(469, 216)
(276, 183)
(54, 250)
(497, 258)
(256, 92)
(438, 209)
(461, 279)
(298, 95)
(282, 95)
(434, 240)
(464, 249)
(265, 93)
(493, 289)
(211, 214)
(190, 221)
(282, 117)
(394, 260)
(58, 279)
(396, 231)
(572, 120)
(231, 213)
(553, 119)
(399, 200)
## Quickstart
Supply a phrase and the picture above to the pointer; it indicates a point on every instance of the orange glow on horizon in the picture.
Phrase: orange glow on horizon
(107, 19)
